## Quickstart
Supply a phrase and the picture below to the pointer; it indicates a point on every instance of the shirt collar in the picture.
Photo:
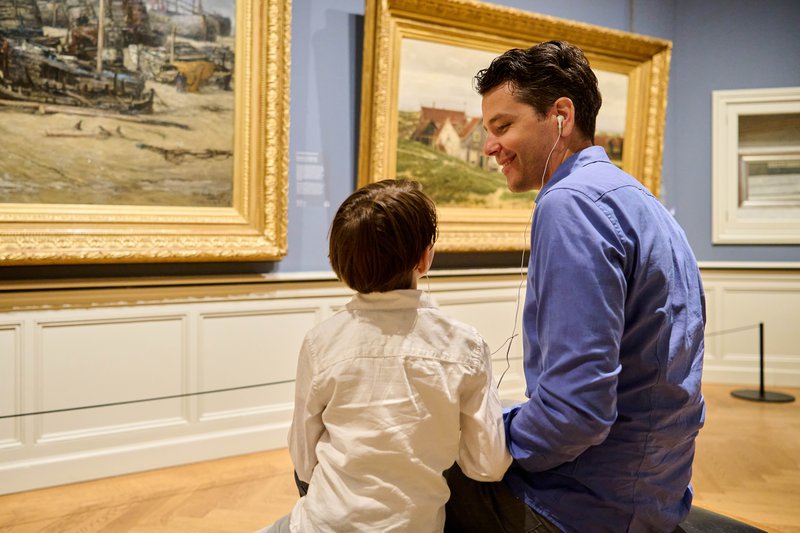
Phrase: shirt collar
(400, 299)
(593, 154)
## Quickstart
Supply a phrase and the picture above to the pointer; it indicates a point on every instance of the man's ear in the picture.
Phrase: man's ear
(563, 107)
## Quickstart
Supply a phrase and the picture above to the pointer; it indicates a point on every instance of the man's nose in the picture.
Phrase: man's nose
(491, 146)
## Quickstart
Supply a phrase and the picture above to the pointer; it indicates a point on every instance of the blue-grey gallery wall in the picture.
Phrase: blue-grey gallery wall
(717, 44)
(722, 44)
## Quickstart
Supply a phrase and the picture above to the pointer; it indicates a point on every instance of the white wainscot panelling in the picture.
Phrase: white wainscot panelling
(129, 345)
(95, 362)
(10, 358)
(251, 347)
(87, 359)
(740, 302)
(168, 351)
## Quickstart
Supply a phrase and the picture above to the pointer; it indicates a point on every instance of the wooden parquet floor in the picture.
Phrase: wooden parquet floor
(747, 462)
(238, 494)
(747, 466)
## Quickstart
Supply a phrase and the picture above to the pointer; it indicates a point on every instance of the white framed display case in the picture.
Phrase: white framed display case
(756, 166)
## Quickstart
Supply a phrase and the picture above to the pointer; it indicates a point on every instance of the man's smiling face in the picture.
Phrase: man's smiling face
(518, 137)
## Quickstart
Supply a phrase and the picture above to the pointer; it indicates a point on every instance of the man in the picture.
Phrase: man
(613, 322)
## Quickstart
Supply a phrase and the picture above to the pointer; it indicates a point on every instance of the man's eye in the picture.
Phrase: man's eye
(502, 127)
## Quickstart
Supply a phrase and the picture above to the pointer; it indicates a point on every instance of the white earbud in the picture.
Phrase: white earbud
(560, 120)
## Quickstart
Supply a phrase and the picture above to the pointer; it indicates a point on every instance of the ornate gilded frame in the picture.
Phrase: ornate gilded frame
(464, 23)
(253, 228)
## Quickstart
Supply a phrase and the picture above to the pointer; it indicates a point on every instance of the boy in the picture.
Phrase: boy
(390, 391)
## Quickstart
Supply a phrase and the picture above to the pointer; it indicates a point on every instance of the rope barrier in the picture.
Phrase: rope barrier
(732, 330)
(254, 386)
(159, 398)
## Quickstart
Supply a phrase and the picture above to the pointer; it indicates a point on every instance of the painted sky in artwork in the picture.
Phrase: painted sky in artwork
(440, 75)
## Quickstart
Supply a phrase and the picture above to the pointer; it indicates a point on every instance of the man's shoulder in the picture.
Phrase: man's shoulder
(597, 179)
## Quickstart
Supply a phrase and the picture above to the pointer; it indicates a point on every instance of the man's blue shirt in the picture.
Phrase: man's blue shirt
(613, 351)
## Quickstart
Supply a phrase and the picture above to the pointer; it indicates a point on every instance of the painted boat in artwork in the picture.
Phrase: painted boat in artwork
(99, 54)
(34, 68)
(31, 72)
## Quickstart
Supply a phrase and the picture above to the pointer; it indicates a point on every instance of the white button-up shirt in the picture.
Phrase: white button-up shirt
(390, 393)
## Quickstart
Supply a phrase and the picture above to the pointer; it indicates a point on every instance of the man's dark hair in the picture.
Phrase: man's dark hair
(542, 74)
(379, 235)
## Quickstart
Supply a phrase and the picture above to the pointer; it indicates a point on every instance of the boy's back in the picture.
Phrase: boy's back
(390, 392)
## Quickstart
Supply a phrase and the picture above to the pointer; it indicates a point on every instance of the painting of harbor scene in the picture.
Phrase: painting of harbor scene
(117, 102)
(440, 129)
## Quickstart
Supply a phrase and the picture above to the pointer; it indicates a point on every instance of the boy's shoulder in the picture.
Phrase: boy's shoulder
(353, 312)
(426, 321)
(445, 318)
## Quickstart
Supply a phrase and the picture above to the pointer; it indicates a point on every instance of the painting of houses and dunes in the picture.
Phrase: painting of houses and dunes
(117, 102)
(440, 134)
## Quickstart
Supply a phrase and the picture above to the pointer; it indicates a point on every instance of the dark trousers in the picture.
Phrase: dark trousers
(302, 486)
(480, 507)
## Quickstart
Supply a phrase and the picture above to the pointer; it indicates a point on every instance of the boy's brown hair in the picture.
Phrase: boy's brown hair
(379, 235)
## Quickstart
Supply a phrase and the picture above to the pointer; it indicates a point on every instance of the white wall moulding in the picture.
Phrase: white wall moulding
(63, 348)
(10, 375)
(264, 348)
(740, 298)
(788, 266)
(756, 166)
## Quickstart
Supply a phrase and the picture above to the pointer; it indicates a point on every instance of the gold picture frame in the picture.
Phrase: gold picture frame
(249, 226)
(474, 27)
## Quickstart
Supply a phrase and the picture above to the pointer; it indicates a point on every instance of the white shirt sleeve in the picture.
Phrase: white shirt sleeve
(482, 454)
(307, 426)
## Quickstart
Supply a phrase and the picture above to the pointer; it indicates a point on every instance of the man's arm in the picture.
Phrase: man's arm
(578, 282)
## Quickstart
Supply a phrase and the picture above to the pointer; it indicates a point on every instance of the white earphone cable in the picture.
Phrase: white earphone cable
(510, 339)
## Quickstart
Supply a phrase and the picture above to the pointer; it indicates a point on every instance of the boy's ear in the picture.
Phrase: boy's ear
(426, 260)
